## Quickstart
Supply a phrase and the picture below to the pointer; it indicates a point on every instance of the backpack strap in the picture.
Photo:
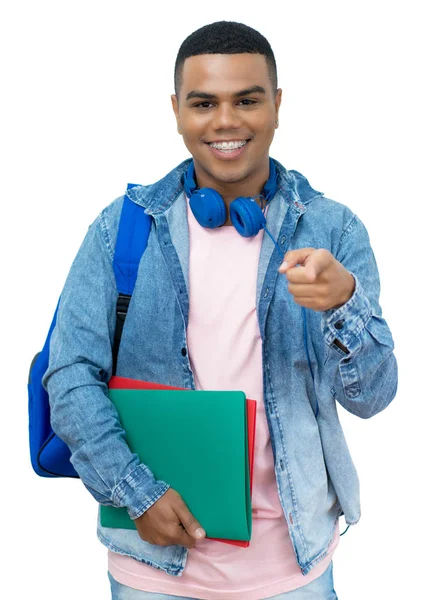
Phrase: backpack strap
(132, 238)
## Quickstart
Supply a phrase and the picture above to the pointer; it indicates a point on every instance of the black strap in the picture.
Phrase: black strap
(121, 310)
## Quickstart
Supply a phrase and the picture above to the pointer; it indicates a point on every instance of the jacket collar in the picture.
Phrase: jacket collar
(158, 197)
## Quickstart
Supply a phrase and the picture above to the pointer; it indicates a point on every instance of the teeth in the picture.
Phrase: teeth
(228, 145)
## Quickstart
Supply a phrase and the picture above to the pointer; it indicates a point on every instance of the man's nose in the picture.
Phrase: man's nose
(226, 117)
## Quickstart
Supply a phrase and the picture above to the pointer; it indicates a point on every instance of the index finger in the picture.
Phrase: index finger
(295, 257)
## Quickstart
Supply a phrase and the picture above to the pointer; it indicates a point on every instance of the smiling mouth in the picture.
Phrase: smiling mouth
(228, 147)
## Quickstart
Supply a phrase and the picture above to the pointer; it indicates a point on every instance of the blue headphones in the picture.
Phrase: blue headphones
(209, 208)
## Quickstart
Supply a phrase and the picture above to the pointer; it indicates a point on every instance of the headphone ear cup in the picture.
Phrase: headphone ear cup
(208, 207)
(246, 216)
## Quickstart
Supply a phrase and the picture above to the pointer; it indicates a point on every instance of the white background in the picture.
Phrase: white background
(86, 108)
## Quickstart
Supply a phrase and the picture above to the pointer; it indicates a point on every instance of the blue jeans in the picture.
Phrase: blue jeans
(321, 588)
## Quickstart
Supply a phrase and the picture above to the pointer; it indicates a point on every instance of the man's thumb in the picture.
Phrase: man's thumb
(191, 525)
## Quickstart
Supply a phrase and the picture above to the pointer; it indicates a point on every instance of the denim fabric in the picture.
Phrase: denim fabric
(321, 588)
(351, 354)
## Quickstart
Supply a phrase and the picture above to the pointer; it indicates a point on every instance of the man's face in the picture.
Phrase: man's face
(227, 97)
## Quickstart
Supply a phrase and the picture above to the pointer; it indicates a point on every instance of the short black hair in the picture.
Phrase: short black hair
(225, 37)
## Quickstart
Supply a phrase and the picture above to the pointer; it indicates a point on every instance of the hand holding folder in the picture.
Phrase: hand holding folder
(201, 443)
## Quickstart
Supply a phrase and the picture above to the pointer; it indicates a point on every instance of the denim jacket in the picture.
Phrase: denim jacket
(350, 351)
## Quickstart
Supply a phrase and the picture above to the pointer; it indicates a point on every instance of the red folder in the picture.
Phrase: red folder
(125, 383)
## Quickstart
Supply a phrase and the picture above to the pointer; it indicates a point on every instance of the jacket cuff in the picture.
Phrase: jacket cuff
(139, 491)
(342, 326)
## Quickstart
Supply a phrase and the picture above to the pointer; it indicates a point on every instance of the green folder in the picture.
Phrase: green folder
(196, 441)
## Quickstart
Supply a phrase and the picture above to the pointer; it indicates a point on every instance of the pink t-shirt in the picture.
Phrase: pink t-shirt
(224, 346)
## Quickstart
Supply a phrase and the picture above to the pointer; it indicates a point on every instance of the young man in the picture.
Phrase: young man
(223, 308)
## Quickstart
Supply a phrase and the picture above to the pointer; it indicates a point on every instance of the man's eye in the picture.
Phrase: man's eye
(202, 105)
(250, 101)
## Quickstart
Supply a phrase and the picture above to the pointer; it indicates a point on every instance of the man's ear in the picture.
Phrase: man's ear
(278, 100)
(175, 106)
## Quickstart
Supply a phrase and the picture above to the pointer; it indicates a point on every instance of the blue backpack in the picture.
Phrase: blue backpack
(50, 456)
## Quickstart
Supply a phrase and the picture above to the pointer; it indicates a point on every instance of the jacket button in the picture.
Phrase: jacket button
(184, 352)
(339, 324)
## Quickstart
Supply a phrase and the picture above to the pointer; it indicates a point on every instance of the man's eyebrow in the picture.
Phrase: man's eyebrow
(255, 89)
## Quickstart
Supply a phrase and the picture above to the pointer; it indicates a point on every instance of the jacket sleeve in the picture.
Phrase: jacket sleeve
(360, 363)
(80, 366)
